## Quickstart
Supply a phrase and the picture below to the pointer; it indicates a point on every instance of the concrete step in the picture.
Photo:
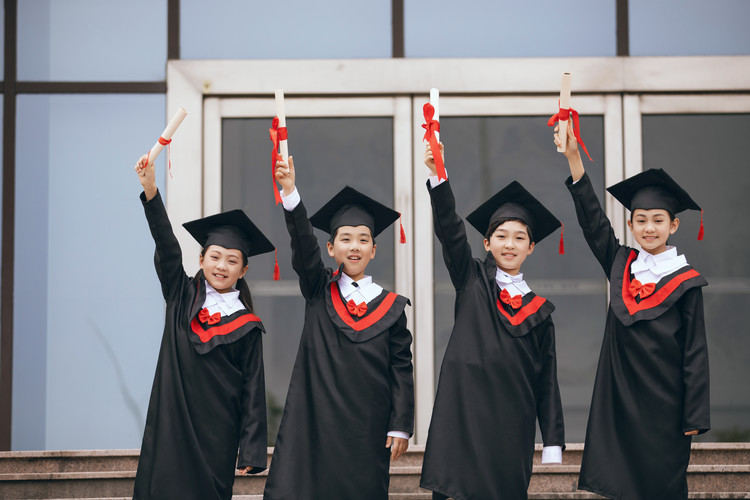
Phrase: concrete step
(717, 471)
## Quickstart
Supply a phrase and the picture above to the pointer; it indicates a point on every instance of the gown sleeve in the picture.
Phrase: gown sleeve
(306, 258)
(695, 364)
(451, 232)
(549, 404)
(253, 429)
(168, 255)
(594, 222)
(402, 379)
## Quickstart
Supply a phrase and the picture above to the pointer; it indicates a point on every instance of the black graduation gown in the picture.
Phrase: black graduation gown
(652, 379)
(208, 395)
(499, 375)
(351, 384)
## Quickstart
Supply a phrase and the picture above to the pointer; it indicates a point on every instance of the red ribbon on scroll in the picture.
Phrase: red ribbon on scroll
(277, 134)
(431, 126)
(166, 143)
(565, 114)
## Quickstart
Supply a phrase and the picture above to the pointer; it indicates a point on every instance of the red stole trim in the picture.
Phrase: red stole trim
(523, 313)
(366, 321)
(657, 297)
(206, 335)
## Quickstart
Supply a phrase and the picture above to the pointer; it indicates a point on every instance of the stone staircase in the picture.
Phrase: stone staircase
(717, 471)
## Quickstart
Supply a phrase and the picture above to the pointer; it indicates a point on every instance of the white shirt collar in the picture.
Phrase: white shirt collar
(364, 291)
(225, 303)
(652, 268)
(515, 284)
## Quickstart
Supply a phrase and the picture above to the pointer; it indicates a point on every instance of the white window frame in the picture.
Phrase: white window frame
(621, 89)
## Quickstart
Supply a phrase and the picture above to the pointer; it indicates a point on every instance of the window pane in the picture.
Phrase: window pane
(296, 29)
(88, 311)
(319, 147)
(706, 155)
(503, 28)
(90, 40)
(689, 27)
(495, 151)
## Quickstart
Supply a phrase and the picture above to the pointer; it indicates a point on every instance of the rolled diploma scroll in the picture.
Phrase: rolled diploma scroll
(435, 101)
(167, 134)
(281, 115)
(564, 104)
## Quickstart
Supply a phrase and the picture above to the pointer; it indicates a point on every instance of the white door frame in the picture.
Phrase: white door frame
(620, 89)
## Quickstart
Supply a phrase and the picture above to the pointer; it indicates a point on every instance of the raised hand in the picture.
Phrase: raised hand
(284, 174)
(429, 160)
(146, 176)
(571, 151)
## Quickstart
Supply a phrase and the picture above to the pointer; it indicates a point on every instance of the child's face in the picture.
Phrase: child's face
(222, 267)
(510, 245)
(353, 246)
(652, 228)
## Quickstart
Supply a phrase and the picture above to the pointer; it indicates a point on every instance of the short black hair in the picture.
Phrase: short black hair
(502, 220)
(336, 231)
(671, 215)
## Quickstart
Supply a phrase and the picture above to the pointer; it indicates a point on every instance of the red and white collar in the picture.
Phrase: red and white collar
(364, 291)
(649, 268)
(224, 303)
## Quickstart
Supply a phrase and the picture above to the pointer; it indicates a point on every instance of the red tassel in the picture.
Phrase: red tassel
(700, 231)
(562, 241)
(403, 234)
(276, 272)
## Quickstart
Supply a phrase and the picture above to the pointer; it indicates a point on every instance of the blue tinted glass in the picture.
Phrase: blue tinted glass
(90, 40)
(689, 27)
(237, 29)
(504, 28)
(88, 311)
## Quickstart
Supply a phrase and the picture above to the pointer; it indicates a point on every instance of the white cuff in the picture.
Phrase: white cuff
(435, 181)
(290, 202)
(399, 434)
(552, 455)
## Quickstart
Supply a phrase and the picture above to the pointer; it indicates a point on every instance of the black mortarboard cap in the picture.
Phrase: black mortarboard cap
(514, 201)
(653, 188)
(232, 229)
(349, 207)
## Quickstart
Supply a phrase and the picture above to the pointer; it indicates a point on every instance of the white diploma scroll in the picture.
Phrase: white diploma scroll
(281, 115)
(564, 104)
(167, 134)
(435, 101)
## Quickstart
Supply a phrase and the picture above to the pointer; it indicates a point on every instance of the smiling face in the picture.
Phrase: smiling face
(510, 245)
(222, 267)
(355, 248)
(652, 228)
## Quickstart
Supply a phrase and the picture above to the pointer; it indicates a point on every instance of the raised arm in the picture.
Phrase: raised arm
(168, 255)
(449, 228)
(549, 405)
(306, 257)
(596, 227)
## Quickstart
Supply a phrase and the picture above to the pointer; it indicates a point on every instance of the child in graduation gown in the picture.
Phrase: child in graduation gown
(208, 396)
(651, 393)
(499, 372)
(351, 394)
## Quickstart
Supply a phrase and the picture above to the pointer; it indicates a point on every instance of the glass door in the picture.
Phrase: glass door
(489, 142)
(334, 142)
